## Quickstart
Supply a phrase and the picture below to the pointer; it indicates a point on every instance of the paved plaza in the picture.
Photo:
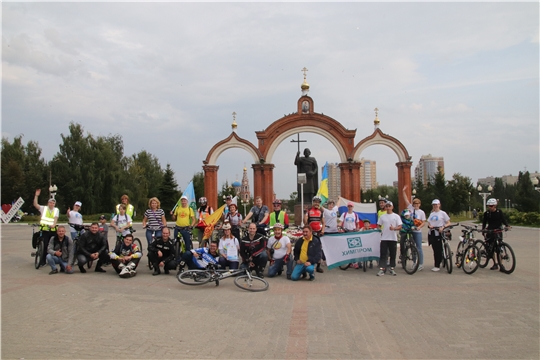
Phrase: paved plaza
(341, 315)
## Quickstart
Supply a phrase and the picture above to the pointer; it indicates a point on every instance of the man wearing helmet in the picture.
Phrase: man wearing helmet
(493, 219)
(279, 252)
(204, 211)
(278, 215)
(315, 219)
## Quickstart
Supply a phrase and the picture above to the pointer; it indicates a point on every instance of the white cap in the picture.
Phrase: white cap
(184, 197)
(78, 203)
(435, 202)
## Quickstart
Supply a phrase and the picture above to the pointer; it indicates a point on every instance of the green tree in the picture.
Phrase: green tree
(526, 196)
(226, 189)
(439, 190)
(292, 200)
(168, 191)
(460, 189)
(198, 184)
(144, 179)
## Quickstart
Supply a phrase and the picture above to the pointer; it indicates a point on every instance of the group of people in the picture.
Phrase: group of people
(254, 250)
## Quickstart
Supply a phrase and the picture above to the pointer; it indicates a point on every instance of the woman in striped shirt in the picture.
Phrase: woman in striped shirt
(154, 219)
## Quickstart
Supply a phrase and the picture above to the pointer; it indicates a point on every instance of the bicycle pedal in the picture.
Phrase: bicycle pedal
(33, 254)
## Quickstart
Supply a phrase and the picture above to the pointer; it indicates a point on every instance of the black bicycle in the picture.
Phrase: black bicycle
(467, 254)
(446, 236)
(79, 231)
(506, 258)
(243, 278)
(410, 260)
(39, 245)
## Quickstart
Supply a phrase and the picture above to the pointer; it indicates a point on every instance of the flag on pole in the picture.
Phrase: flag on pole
(323, 188)
(211, 220)
(363, 210)
(190, 194)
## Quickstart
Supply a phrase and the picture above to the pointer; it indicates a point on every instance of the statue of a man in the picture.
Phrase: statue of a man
(307, 165)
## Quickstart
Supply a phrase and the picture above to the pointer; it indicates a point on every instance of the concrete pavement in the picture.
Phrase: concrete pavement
(341, 315)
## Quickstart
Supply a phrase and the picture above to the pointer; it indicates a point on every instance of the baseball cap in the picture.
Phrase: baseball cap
(350, 203)
(78, 203)
(406, 213)
(102, 217)
(435, 202)
(389, 203)
(229, 197)
(184, 197)
(52, 200)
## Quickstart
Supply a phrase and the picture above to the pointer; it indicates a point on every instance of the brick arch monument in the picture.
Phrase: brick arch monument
(304, 120)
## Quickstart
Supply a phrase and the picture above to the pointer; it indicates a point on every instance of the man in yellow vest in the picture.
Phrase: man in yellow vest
(278, 215)
(49, 218)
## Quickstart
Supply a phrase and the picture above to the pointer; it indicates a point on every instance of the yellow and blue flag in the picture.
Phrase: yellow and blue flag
(323, 188)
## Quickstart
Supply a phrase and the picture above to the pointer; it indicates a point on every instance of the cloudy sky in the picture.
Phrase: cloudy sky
(458, 80)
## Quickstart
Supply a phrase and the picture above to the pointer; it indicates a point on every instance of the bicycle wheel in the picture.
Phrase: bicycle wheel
(448, 258)
(470, 259)
(139, 244)
(39, 253)
(483, 257)
(193, 277)
(506, 258)
(253, 284)
(460, 251)
(344, 267)
(410, 260)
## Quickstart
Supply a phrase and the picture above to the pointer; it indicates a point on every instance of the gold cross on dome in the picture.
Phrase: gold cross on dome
(304, 70)
(376, 112)
(234, 115)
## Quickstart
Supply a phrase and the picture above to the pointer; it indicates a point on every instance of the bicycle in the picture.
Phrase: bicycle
(446, 236)
(505, 253)
(39, 245)
(358, 265)
(244, 280)
(409, 256)
(467, 252)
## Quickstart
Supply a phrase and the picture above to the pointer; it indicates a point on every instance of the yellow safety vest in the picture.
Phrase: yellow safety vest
(47, 218)
(130, 209)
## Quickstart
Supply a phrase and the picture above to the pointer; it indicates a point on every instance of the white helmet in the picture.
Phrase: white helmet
(491, 202)
(317, 198)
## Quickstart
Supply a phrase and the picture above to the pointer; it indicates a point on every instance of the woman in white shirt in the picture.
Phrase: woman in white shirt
(419, 218)
(229, 248)
(437, 220)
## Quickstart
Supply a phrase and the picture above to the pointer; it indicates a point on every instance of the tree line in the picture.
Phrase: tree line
(87, 168)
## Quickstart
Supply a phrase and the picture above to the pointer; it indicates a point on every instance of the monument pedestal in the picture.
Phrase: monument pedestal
(298, 214)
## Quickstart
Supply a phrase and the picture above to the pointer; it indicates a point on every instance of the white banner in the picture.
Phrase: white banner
(14, 208)
(345, 248)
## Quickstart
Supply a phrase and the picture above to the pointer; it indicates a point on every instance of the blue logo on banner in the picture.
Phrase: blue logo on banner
(354, 242)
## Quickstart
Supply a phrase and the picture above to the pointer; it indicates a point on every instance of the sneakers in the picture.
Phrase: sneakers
(156, 272)
(132, 273)
(166, 271)
(392, 272)
(99, 269)
(420, 267)
(260, 274)
(319, 269)
(311, 277)
(436, 269)
(380, 273)
(289, 277)
(82, 269)
(55, 271)
(494, 267)
(124, 273)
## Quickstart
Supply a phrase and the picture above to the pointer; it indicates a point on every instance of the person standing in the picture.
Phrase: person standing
(349, 221)
(130, 209)
(121, 222)
(278, 215)
(437, 221)
(185, 221)
(390, 225)
(204, 211)
(419, 218)
(229, 247)
(154, 219)
(48, 221)
(74, 217)
(493, 219)
(315, 219)
(330, 217)
(234, 218)
(260, 214)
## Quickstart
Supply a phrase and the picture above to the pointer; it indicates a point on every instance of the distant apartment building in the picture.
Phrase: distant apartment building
(368, 174)
(506, 179)
(427, 168)
(334, 181)
(489, 181)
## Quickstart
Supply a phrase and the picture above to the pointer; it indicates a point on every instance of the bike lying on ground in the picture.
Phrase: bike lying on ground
(467, 252)
(505, 255)
(244, 280)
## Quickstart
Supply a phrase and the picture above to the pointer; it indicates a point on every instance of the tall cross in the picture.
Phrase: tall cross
(234, 115)
(376, 112)
(304, 70)
(298, 141)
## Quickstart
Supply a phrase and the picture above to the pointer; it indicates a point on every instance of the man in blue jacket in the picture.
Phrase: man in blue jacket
(307, 252)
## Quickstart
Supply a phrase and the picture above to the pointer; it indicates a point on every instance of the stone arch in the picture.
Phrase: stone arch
(380, 138)
(231, 142)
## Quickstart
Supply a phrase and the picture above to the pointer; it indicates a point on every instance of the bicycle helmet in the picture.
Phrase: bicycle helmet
(278, 225)
(316, 198)
(203, 200)
(226, 226)
(277, 201)
(491, 202)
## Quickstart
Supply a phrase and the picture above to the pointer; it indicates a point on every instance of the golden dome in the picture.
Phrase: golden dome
(245, 169)
(305, 85)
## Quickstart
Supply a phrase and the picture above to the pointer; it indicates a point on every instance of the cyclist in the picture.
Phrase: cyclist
(307, 252)
(48, 221)
(389, 224)
(493, 219)
(228, 202)
(121, 222)
(437, 220)
(315, 219)
(185, 220)
(279, 252)
(201, 257)
(60, 251)
(278, 215)
(235, 219)
(92, 245)
(162, 253)
(349, 221)
(125, 257)
(406, 227)
(260, 215)
(204, 211)
(330, 214)
(154, 219)
(253, 250)
(130, 210)
(229, 247)
(419, 218)
(74, 217)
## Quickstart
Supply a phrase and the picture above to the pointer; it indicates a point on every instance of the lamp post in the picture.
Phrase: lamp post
(484, 195)
(535, 184)
(52, 190)
(413, 193)
(302, 180)
(469, 214)
(245, 203)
